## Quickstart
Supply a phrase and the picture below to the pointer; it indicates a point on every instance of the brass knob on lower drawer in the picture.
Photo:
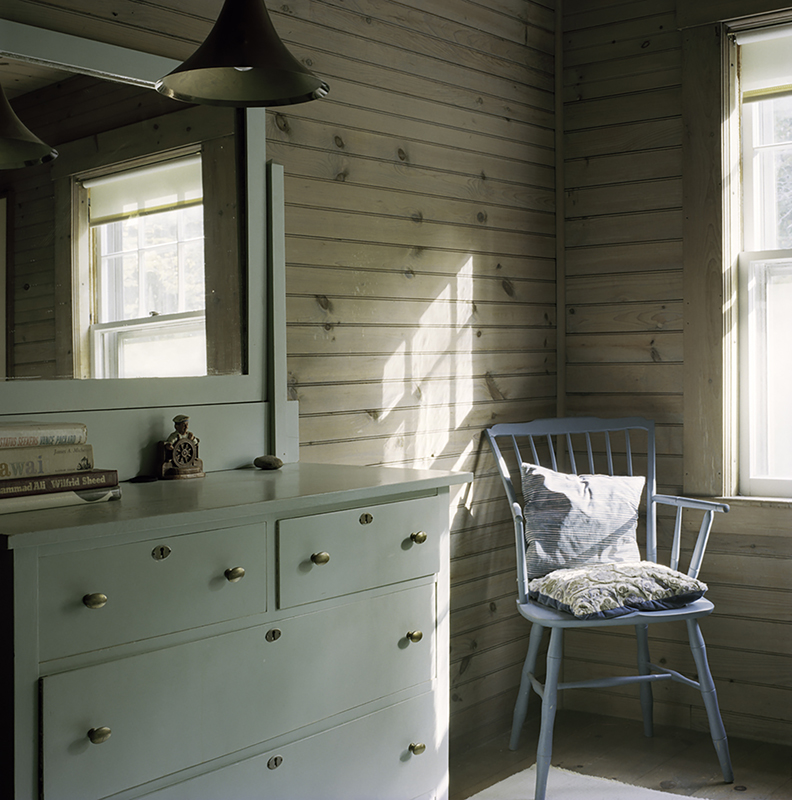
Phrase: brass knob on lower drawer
(234, 574)
(95, 600)
(320, 558)
(415, 636)
(419, 537)
(417, 748)
(99, 735)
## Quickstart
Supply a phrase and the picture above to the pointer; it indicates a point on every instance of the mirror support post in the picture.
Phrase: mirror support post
(284, 413)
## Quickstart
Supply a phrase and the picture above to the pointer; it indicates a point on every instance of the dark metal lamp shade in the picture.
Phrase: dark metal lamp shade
(242, 63)
(18, 146)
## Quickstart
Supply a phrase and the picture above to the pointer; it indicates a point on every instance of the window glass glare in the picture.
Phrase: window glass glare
(160, 228)
(161, 276)
(193, 222)
(129, 307)
(775, 121)
(782, 170)
(778, 335)
(192, 256)
(178, 354)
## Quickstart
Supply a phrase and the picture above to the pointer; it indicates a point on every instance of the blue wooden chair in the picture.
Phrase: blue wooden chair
(573, 445)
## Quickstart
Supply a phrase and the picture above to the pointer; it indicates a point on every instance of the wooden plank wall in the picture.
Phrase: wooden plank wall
(623, 316)
(420, 277)
(420, 256)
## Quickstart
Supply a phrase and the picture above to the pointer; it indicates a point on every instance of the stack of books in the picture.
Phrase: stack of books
(50, 465)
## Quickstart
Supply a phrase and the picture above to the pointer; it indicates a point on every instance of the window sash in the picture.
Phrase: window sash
(764, 290)
(110, 341)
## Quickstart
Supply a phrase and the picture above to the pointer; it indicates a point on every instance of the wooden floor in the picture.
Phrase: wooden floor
(681, 762)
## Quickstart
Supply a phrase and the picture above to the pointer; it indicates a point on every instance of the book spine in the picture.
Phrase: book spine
(21, 434)
(31, 462)
(12, 505)
(51, 484)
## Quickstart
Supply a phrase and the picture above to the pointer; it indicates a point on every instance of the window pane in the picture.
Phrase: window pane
(192, 256)
(779, 373)
(160, 228)
(130, 289)
(775, 121)
(161, 276)
(767, 368)
(193, 222)
(175, 354)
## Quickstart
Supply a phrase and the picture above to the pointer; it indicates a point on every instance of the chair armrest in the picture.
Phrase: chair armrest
(689, 502)
(709, 508)
(517, 512)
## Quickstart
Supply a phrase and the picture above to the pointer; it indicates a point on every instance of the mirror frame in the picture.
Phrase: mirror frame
(251, 408)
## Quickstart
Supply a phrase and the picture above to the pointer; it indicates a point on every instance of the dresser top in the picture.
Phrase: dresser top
(222, 499)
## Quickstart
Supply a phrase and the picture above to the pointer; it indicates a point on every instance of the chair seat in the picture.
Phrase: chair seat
(552, 618)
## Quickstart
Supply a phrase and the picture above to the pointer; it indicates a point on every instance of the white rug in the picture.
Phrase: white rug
(565, 785)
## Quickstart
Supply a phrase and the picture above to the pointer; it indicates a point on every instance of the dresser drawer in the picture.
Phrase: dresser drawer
(362, 760)
(181, 706)
(329, 555)
(148, 594)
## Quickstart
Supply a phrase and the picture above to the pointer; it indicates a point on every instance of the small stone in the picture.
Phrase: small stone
(268, 462)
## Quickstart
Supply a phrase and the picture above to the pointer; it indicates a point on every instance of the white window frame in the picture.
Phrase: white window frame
(757, 220)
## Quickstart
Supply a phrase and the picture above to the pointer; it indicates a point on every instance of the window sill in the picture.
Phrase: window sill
(747, 502)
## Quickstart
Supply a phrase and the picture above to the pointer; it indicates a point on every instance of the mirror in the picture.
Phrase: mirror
(123, 257)
(248, 414)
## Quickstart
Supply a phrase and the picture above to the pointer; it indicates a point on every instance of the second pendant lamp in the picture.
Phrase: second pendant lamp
(19, 147)
(242, 63)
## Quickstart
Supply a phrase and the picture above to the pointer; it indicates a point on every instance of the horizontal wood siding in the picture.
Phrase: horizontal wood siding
(623, 323)
(420, 256)
(421, 274)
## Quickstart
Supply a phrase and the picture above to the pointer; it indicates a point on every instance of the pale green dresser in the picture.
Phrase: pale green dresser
(248, 635)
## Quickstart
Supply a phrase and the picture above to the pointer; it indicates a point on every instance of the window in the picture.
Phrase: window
(764, 273)
(141, 289)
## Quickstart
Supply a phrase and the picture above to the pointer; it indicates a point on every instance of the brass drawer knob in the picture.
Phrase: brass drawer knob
(417, 748)
(99, 735)
(419, 537)
(415, 636)
(95, 600)
(234, 574)
(320, 558)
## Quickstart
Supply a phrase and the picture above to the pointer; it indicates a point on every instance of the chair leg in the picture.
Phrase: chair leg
(710, 698)
(549, 704)
(529, 668)
(642, 634)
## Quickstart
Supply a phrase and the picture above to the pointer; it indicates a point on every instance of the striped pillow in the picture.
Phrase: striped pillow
(575, 520)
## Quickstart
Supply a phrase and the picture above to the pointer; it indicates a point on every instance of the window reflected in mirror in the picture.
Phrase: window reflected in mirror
(144, 280)
(124, 257)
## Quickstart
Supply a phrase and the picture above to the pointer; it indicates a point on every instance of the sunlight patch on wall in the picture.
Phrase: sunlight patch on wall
(393, 378)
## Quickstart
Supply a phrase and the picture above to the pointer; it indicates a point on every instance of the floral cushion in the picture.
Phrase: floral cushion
(573, 520)
(610, 590)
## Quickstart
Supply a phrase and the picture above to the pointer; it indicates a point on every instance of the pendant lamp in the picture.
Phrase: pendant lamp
(18, 146)
(242, 63)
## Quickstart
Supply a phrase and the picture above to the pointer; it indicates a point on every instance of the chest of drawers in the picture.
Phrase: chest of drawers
(236, 637)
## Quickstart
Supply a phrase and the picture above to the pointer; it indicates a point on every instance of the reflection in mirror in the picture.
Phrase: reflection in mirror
(123, 256)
